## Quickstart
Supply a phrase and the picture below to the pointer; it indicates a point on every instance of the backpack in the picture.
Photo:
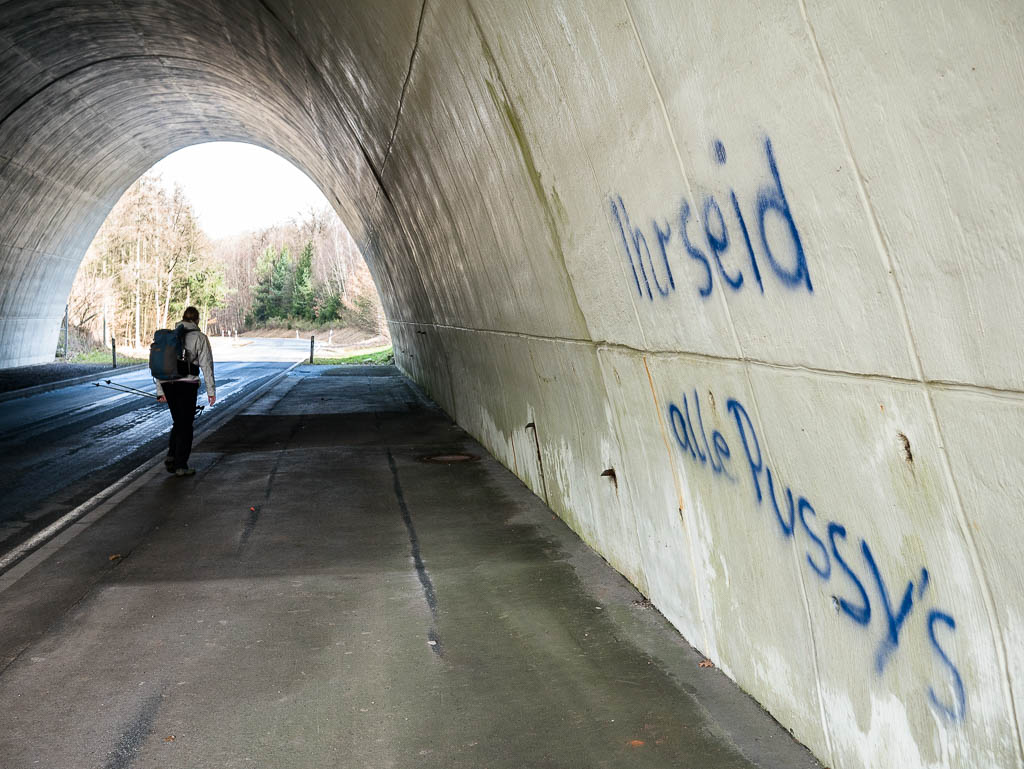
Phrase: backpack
(168, 358)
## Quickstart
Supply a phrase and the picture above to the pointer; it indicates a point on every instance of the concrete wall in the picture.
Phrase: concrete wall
(761, 259)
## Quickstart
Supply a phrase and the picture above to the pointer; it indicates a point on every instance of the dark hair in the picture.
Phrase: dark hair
(191, 314)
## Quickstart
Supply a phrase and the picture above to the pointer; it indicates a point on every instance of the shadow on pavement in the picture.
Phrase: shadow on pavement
(318, 595)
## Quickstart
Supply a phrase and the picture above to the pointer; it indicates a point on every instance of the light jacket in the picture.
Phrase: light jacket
(198, 346)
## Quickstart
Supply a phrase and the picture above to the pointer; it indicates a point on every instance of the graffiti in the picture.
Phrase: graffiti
(862, 593)
(651, 258)
(687, 438)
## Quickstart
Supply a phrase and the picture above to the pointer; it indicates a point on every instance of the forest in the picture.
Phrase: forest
(151, 259)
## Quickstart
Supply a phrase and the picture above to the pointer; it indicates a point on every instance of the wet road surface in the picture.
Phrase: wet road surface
(318, 595)
(59, 448)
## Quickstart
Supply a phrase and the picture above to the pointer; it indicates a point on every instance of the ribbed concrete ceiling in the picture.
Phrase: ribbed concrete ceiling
(94, 93)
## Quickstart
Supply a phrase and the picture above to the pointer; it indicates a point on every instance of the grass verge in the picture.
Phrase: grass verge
(103, 356)
(382, 357)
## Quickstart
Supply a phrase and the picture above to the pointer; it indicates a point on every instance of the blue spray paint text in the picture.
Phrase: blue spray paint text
(863, 595)
(651, 253)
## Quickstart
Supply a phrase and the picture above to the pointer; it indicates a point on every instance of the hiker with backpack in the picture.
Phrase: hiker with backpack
(175, 360)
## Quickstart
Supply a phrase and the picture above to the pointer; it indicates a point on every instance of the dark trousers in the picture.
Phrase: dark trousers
(181, 400)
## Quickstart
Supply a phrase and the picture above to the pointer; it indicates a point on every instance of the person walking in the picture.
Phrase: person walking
(180, 394)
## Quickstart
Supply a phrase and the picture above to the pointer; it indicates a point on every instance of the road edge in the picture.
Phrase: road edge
(116, 491)
(59, 383)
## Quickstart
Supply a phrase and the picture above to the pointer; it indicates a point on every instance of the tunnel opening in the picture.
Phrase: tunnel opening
(245, 237)
(79, 124)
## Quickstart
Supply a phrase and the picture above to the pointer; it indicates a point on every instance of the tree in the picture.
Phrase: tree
(275, 283)
(302, 293)
(326, 282)
(261, 303)
(149, 259)
(281, 284)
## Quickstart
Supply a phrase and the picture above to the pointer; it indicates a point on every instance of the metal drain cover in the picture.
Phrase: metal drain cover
(448, 459)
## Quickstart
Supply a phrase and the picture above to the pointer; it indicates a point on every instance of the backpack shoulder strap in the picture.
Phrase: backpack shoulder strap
(183, 332)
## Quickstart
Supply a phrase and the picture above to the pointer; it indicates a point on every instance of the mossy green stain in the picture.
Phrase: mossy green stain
(505, 107)
(515, 123)
(559, 206)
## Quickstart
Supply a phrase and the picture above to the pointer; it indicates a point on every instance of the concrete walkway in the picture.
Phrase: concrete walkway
(319, 596)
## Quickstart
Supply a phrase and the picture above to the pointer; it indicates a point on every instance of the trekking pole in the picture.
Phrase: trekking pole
(120, 388)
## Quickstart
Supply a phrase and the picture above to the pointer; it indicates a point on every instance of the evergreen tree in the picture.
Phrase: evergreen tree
(261, 303)
(302, 292)
(281, 285)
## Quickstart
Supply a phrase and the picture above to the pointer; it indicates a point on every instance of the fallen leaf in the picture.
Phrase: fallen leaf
(169, 738)
(252, 509)
(636, 743)
(706, 663)
(115, 557)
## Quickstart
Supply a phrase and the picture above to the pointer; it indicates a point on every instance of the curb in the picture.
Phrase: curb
(56, 385)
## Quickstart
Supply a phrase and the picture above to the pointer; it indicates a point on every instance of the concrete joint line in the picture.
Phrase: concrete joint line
(805, 601)
(405, 87)
(682, 166)
(942, 385)
(590, 166)
(888, 262)
(706, 649)
(105, 500)
(732, 328)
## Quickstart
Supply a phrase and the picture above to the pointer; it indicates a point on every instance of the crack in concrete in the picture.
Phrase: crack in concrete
(429, 594)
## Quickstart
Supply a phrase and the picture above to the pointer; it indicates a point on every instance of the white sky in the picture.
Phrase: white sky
(239, 187)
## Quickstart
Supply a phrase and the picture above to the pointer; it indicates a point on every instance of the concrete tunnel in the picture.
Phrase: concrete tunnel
(762, 261)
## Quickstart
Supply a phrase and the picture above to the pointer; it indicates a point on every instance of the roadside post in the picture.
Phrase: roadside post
(113, 351)
(311, 349)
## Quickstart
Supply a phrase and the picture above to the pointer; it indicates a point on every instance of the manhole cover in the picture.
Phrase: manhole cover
(447, 459)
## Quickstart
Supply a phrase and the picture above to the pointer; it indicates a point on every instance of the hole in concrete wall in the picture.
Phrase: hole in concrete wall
(908, 455)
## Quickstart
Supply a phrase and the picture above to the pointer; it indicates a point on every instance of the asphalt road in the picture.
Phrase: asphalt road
(59, 448)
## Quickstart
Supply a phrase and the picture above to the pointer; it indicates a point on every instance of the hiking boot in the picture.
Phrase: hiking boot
(183, 471)
(169, 463)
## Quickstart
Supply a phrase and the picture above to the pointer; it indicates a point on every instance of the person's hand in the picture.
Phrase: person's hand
(162, 398)
(211, 398)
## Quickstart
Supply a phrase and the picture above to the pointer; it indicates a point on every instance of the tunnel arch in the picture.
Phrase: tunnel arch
(79, 125)
(745, 258)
